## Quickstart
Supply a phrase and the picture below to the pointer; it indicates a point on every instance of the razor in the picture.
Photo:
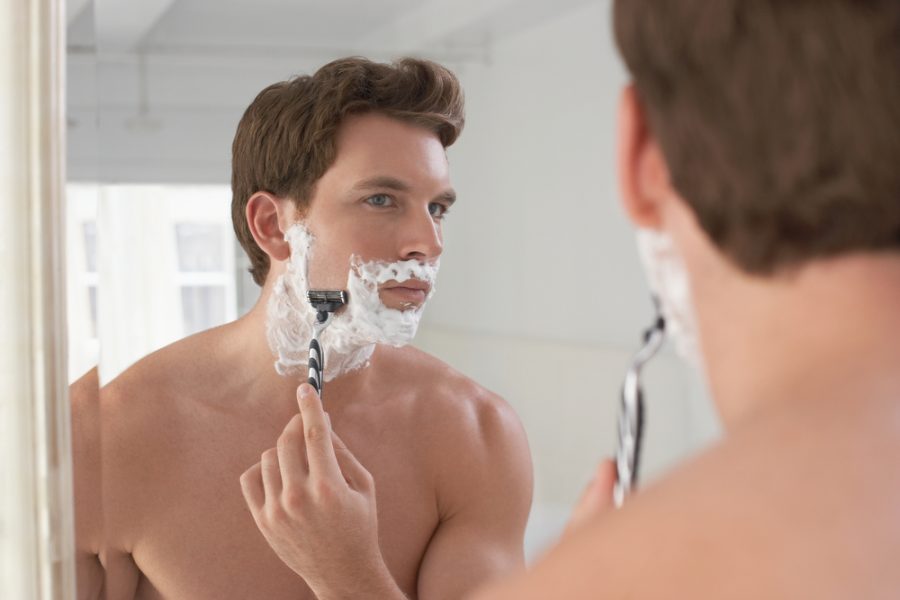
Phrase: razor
(326, 302)
(631, 411)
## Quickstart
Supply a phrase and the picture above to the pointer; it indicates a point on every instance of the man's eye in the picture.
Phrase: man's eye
(437, 210)
(380, 200)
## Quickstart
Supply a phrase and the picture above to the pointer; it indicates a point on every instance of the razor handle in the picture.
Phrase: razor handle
(316, 375)
(628, 452)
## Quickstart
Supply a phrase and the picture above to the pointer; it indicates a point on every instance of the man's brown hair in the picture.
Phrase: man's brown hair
(779, 119)
(286, 139)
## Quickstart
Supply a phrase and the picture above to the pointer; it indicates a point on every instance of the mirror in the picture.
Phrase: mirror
(541, 297)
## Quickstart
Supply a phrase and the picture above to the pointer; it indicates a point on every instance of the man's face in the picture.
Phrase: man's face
(382, 200)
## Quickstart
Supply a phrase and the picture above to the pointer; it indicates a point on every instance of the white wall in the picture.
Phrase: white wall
(184, 136)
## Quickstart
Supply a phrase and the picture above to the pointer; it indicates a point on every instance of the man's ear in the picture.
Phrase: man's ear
(265, 218)
(643, 172)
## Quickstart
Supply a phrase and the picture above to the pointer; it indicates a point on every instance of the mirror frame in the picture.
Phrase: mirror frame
(36, 512)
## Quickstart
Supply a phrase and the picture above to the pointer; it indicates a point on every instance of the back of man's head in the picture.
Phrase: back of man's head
(286, 139)
(779, 119)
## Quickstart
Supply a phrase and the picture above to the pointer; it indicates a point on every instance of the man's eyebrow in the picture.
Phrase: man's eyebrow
(449, 197)
(381, 181)
(392, 183)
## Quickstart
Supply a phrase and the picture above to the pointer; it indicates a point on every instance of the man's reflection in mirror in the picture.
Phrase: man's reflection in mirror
(409, 480)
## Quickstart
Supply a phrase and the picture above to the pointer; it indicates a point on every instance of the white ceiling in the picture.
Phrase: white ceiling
(379, 28)
(300, 23)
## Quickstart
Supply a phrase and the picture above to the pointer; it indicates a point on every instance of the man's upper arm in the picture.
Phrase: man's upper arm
(484, 497)
(102, 571)
(86, 461)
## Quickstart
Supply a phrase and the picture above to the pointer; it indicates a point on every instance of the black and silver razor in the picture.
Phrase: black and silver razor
(631, 411)
(326, 302)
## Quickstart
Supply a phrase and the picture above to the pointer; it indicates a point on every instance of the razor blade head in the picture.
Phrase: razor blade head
(326, 300)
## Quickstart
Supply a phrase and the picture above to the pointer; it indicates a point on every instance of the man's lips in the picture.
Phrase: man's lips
(410, 291)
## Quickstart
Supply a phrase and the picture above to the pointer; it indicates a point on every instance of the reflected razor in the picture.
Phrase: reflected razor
(631, 411)
(326, 303)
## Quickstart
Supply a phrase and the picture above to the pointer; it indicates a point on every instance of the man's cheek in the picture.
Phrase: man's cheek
(328, 270)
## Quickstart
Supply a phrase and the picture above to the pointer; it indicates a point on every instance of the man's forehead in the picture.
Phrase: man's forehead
(374, 133)
(388, 153)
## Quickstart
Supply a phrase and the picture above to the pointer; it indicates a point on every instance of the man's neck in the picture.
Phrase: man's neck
(826, 332)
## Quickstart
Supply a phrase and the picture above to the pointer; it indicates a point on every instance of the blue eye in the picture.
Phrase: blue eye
(438, 210)
(380, 200)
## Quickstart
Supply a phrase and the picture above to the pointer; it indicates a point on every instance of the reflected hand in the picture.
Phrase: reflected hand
(596, 499)
(315, 505)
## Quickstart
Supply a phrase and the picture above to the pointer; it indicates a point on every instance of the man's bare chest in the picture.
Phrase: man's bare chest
(197, 538)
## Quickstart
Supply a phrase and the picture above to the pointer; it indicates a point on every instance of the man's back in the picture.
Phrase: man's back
(180, 426)
(797, 504)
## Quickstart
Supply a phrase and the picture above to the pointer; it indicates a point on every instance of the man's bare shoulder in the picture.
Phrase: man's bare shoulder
(86, 460)
(84, 395)
(149, 404)
(181, 369)
(445, 398)
(792, 504)
(462, 424)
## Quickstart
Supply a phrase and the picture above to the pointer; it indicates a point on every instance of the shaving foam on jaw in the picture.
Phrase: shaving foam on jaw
(668, 280)
(365, 321)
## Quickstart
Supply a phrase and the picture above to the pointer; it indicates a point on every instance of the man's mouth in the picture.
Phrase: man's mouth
(411, 293)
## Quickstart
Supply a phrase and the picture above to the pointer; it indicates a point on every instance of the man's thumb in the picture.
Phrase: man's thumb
(597, 497)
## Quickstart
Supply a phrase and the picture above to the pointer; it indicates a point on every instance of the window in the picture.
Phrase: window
(82, 277)
(148, 265)
(205, 274)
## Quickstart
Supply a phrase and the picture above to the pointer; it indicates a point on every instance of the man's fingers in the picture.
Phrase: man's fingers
(317, 433)
(252, 487)
(605, 482)
(271, 474)
(597, 497)
(292, 454)
(352, 469)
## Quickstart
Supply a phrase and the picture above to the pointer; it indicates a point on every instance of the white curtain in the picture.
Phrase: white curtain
(139, 304)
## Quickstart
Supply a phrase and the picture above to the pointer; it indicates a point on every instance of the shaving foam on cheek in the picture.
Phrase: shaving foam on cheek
(289, 316)
(350, 340)
(668, 280)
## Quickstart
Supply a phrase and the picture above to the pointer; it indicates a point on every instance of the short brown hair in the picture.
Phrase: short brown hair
(779, 119)
(286, 139)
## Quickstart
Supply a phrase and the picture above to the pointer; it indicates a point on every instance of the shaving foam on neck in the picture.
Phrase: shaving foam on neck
(355, 330)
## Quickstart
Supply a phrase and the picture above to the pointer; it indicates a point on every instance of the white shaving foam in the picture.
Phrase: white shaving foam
(365, 321)
(668, 280)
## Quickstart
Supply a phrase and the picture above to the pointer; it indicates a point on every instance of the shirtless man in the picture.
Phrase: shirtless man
(761, 138)
(430, 485)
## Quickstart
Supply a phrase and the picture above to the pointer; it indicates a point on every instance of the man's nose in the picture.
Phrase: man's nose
(420, 237)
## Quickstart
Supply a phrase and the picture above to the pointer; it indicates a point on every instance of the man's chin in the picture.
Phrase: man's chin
(400, 302)
(411, 307)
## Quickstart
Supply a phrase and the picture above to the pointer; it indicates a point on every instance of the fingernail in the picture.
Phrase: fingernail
(305, 390)
(328, 418)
